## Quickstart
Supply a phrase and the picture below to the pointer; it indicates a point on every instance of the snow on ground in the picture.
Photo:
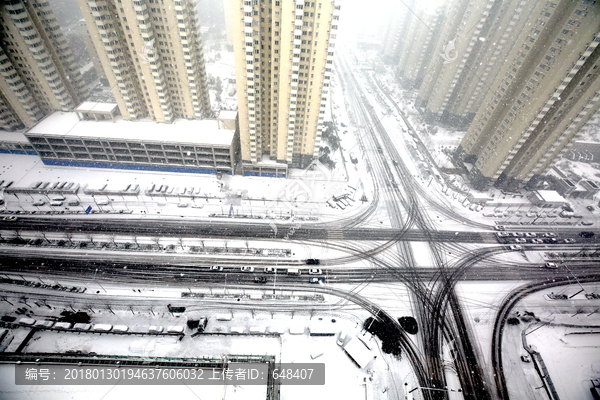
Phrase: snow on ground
(343, 378)
(581, 170)
(252, 196)
(572, 359)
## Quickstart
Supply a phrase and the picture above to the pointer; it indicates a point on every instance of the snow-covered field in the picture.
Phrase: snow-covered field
(564, 332)
(343, 378)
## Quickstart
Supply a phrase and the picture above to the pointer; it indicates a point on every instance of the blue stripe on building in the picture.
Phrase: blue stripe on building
(135, 167)
(28, 152)
(264, 174)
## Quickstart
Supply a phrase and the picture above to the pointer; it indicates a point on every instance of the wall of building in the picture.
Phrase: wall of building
(284, 55)
(39, 72)
(152, 56)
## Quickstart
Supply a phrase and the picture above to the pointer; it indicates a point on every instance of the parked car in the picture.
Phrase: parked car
(313, 261)
(551, 265)
(499, 228)
(10, 218)
(586, 234)
(520, 240)
(537, 241)
(569, 240)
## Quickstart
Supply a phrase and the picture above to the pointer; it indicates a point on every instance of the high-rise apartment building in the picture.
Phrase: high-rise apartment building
(151, 51)
(396, 31)
(417, 44)
(283, 56)
(468, 58)
(91, 49)
(545, 92)
(39, 73)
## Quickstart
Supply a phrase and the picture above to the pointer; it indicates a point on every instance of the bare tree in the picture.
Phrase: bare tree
(69, 237)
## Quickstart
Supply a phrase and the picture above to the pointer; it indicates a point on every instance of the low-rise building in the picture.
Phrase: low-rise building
(547, 199)
(193, 146)
(15, 143)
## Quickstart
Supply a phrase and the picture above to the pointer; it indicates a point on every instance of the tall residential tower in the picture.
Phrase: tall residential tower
(545, 93)
(151, 51)
(39, 73)
(283, 56)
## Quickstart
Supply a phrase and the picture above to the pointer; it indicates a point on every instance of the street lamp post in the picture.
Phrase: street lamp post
(579, 283)
(442, 390)
(96, 271)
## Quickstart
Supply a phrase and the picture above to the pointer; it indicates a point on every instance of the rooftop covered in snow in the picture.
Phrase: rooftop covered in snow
(67, 124)
(13, 137)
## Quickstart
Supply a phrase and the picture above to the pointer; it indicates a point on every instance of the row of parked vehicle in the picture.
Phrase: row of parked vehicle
(273, 270)
(99, 328)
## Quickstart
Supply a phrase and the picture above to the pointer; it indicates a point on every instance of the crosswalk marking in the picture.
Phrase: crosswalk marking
(335, 234)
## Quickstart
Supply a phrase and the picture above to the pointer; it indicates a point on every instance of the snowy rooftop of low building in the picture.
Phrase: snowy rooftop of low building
(550, 196)
(267, 162)
(180, 131)
(480, 195)
(15, 137)
(88, 106)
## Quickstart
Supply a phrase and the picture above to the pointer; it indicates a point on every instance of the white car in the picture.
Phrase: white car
(315, 271)
(216, 268)
(569, 240)
(247, 269)
(270, 270)
(520, 240)
(530, 234)
(537, 241)
(515, 247)
(551, 265)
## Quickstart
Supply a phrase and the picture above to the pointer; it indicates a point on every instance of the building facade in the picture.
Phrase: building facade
(396, 32)
(91, 49)
(191, 146)
(37, 69)
(151, 52)
(543, 96)
(284, 58)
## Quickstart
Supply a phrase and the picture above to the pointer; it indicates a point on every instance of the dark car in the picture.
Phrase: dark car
(260, 279)
(586, 234)
(313, 261)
